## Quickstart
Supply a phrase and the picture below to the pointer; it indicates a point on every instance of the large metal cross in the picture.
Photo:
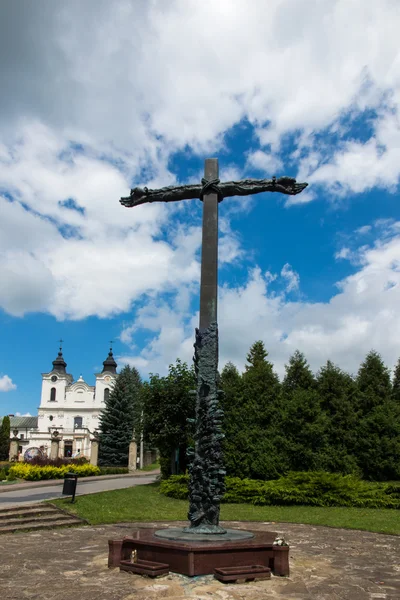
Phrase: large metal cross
(207, 474)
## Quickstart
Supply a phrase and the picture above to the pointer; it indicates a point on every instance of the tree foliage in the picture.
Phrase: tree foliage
(5, 438)
(378, 448)
(338, 393)
(328, 422)
(396, 383)
(251, 403)
(167, 406)
(304, 423)
(120, 421)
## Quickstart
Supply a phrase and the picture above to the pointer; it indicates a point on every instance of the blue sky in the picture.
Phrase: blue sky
(141, 95)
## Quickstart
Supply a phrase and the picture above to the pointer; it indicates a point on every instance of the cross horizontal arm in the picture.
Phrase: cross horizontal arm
(246, 187)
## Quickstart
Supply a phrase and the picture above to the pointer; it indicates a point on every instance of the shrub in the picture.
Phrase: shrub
(176, 486)
(5, 466)
(113, 470)
(42, 461)
(299, 488)
(37, 473)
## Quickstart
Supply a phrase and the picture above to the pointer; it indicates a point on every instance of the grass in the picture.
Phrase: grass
(152, 467)
(144, 503)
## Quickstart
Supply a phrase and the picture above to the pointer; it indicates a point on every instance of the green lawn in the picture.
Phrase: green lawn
(144, 503)
(152, 467)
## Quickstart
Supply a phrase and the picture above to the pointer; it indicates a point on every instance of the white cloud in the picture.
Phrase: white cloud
(343, 253)
(6, 384)
(152, 77)
(361, 316)
(93, 105)
(18, 414)
(292, 278)
(264, 161)
(363, 230)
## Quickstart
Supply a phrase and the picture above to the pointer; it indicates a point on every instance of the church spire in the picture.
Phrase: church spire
(59, 363)
(109, 364)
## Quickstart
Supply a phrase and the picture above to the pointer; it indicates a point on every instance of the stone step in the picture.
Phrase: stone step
(7, 513)
(245, 572)
(43, 518)
(38, 524)
(144, 567)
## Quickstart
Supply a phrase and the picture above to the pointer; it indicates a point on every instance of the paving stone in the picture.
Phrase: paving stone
(326, 564)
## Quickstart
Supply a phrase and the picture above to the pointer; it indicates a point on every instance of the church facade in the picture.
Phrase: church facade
(69, 410)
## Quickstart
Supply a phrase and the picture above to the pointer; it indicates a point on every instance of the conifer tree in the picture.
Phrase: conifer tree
(373, 380)
(378, 447)
(167, 406)
(396, 383)
(120, 420)
(298, 374)
(304, 423)
(5, 438)
(234, 444)
(251, 403)
(257, 355)
(338, 395)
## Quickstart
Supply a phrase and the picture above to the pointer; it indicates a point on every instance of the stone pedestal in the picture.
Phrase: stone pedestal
(54, 448)
(199, 557)
(94, 452)
(132, 456)
(13, 454)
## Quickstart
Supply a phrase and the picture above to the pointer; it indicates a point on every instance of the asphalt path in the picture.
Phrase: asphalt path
(32, 495)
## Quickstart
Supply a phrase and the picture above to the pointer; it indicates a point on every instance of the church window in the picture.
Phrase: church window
(51, 417)
(78, 422)
(52, 394)
(106, 394)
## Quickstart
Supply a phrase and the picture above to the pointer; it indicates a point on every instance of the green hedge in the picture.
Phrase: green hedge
(299, 488)
(113, 470)
(36, 473)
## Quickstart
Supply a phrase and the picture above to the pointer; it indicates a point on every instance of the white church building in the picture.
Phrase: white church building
(71, 408)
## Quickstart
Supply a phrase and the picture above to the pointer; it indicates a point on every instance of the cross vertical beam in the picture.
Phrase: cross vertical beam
(209, 251)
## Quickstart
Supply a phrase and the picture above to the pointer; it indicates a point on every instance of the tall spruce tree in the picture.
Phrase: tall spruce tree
(338, 395)
(378, 447)
(250, 404)
(396, 383)
(304, 422)
(373, 380)
(120, 419)
(235, 443)
(256, 356)
(167, 406)
(262, 415)
(298, 374)
(5, 438)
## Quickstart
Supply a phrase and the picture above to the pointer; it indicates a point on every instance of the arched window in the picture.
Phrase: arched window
(52, 394)
(78, 422)
(106, 394)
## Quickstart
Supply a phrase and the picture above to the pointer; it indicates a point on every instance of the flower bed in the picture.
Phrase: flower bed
(37, 473)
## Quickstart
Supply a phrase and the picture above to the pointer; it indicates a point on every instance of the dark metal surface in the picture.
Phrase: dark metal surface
(246, 187)
(228, 535)
(209, 251)
(207, 475)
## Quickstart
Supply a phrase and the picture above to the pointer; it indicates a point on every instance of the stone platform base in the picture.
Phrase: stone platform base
(199, 558)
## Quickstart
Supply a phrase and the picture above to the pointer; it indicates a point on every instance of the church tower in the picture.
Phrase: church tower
(105, 379)
(55, 382)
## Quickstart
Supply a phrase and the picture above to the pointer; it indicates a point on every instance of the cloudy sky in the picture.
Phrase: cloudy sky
(99, 96)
